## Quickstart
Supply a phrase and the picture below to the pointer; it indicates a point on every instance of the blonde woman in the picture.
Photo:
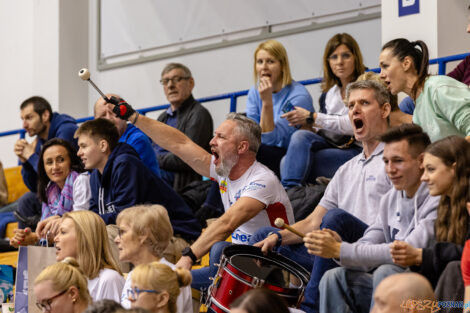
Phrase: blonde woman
(62, 288)
(156, 286)
(83, 235)
(274, 93)
(144, 233)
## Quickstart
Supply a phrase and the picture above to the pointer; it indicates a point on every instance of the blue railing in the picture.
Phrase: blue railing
(233, 96)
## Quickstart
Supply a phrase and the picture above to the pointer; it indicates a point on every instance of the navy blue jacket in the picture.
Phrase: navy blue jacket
(62, 126)
(126, 182)
(142, 145)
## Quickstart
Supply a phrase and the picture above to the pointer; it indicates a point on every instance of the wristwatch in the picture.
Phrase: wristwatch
(279, 238)
(310, 119)
(188, 252)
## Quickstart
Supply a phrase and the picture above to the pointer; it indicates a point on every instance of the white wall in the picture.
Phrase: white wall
(44, 48)
(16, 76)
(44, 42)
(441, 24)
(226, 69)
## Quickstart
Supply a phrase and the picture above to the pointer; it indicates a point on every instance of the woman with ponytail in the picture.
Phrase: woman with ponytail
(156, 286)
(62, 288)
(442, 103)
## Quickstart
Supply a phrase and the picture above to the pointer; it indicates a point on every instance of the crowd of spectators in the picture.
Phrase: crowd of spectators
(107, 193)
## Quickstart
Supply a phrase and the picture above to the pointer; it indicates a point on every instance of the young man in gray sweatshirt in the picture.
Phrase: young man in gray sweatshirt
(407, 212)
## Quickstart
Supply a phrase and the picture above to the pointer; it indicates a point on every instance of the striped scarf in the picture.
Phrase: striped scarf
(59, 201)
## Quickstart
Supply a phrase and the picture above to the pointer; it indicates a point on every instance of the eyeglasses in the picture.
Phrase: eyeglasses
(45, 305)
(134, 293)
(174, 80)
(344, 55)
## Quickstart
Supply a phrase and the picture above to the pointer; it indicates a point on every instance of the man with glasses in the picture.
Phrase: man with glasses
(187, 115)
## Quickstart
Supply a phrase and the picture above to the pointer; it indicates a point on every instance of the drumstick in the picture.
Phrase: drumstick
(279, 222)
(85, 75)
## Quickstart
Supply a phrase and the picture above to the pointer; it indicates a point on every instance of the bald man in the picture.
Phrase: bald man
(404, 292)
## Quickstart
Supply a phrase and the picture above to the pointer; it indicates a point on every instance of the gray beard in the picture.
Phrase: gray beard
(226, 165)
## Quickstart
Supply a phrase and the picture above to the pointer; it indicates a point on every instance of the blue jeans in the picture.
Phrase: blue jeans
(344, 290)
(29, 206)
(347, 226)
(201, 276)
(310, 156)
(297, 253)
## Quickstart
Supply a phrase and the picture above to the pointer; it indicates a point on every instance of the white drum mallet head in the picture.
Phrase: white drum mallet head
(84, 74)
(279, 222)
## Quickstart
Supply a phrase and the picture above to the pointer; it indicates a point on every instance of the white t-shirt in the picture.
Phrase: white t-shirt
(183, 302)
(108, 285)
(336, 119)
(81, 192)
(259, 183)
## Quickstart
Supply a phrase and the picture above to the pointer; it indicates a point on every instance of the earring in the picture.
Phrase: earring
(74, 300)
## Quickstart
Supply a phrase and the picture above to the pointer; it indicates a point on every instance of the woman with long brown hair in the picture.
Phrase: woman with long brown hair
(309, 154)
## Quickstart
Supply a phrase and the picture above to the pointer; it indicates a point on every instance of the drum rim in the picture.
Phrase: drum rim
(293, 266)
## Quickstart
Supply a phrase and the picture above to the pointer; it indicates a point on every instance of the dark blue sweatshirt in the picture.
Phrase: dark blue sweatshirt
(126, 182)
(142, 145)
(62, 126)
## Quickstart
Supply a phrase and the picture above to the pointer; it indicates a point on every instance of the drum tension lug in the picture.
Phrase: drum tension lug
(256, 282)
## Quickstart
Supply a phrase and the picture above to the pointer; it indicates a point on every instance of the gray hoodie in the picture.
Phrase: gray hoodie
(399, 218)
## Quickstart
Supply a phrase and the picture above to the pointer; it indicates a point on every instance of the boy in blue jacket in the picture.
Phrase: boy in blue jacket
(120, 180)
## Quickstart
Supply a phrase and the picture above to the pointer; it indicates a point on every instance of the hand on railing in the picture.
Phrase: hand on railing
(121, 108)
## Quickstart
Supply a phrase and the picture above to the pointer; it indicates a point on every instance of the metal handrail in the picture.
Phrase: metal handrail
(233, 96)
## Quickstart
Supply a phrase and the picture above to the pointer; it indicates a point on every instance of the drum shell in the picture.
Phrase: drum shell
(231, 282)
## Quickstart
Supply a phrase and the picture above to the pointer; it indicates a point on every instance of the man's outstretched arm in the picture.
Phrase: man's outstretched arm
(176, 142)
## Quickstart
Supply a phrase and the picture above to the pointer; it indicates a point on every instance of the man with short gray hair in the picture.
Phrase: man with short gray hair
(187, 115)
(251, 194)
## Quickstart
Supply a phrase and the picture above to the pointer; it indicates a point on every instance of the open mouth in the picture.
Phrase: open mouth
(216, 156)
(358, 124)
(266, 75)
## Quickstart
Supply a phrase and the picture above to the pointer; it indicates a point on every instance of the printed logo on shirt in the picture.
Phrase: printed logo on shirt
(223, 186)
(240, 236)
(371, 178)
(237, 195)
(253, 186)
(110, 208)
(250, 187)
